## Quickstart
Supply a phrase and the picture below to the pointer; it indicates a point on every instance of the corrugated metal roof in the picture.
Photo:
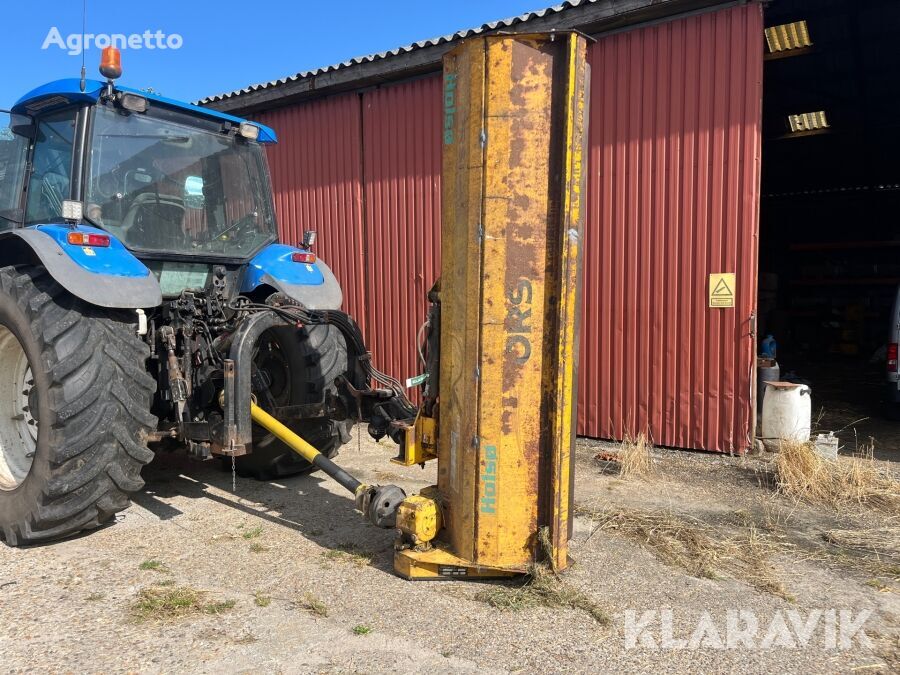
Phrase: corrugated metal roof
(612, 8)
(432, 42)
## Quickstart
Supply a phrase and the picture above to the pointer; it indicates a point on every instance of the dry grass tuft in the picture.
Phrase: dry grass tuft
(542, 588)
(696, 547)
(313, 604)
(157, 603)
(634, 457)
(884, 542)
(801, 473)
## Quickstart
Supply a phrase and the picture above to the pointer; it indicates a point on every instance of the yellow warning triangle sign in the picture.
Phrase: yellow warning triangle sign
(721, 289)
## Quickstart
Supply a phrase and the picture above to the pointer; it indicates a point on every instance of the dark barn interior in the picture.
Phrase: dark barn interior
(829, 264)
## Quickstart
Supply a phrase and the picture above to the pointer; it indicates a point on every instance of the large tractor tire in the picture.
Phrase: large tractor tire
(74, 409)
(299, 367)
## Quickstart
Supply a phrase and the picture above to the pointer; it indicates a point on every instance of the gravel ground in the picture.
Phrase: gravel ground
(67, 607)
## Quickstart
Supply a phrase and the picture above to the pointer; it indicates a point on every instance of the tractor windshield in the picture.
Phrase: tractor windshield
(168, 183)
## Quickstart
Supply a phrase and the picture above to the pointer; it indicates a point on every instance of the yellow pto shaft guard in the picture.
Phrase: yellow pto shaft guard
(304, 449)
(378, 503)
(282, 433)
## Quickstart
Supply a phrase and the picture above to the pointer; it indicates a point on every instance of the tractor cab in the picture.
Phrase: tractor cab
(168, 196)
(166, 179)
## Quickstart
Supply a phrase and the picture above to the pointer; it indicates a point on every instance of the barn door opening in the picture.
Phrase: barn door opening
(829, 227)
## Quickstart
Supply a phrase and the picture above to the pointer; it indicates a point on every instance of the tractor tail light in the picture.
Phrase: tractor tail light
(88, 239)
(892, 357)
(308, 258)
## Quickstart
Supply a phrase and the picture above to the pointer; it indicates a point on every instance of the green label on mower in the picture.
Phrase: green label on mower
(416, 381)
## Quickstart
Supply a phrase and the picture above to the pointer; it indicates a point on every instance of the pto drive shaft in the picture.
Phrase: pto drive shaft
(378, 503)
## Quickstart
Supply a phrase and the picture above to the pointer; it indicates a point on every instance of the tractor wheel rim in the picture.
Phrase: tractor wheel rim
(18, 425)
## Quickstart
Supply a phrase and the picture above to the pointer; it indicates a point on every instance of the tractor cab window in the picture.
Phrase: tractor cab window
(52, 168)
(13, 153)
(165, 183)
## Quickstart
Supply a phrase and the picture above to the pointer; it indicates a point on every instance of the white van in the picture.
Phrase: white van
(893, 369)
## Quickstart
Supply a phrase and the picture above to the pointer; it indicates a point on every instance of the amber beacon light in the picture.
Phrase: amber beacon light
(111, 63)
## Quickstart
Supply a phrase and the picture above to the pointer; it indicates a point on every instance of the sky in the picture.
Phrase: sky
(216, 47)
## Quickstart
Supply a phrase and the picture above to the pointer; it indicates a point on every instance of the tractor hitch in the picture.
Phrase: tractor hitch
(235, 436)
(237, 429)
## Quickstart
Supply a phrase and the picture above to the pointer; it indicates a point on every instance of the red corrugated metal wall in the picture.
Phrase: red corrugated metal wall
(672, 197)
(402, 187)
(317, 180)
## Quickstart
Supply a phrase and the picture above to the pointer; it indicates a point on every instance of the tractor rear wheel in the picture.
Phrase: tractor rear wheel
(299, 367)
(74, 409)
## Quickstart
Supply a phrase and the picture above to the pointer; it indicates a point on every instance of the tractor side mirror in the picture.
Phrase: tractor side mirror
(17, 124)
(23, 126)
(309, 239)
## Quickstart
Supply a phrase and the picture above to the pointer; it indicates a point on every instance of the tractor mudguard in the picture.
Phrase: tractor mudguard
(106, 276)
(313, 285)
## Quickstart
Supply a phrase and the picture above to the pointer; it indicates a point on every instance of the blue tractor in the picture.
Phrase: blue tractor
(145, 301)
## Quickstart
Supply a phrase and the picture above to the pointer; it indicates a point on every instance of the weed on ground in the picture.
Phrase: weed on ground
(312, 604)
(876, 550)
(153, 565)
(253, 532)
(542, 588)
(168, 603)
(880, 541)
(350, 553)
